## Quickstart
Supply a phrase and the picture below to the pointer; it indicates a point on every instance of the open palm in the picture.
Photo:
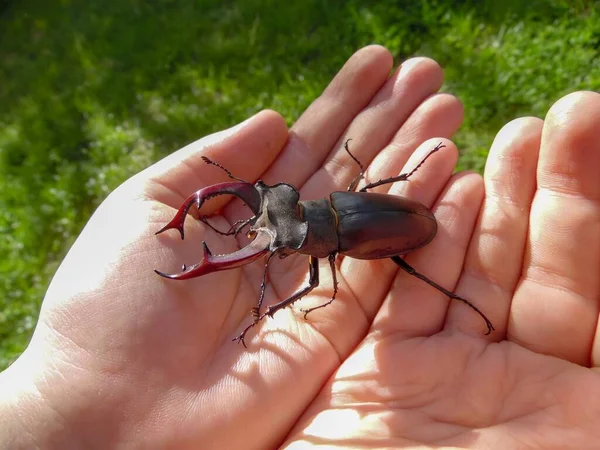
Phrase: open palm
(392, 362)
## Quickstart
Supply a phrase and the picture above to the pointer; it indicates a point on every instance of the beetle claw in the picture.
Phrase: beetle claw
(162, 274)
(240, 338)
(213, 263)
(177, 223)
(245, 191)
(179, 219)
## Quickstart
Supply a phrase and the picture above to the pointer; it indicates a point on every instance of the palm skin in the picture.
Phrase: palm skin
(122, 357)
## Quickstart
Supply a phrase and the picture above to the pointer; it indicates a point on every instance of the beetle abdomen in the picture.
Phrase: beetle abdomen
(374, 226)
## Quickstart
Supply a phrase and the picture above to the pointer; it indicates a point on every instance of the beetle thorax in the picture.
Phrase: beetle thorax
(322, 239)
(280, 214)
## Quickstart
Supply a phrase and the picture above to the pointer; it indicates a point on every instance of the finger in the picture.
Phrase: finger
(375, 126)
(555, 309)
(494, 261)
(319, 128)
(246, 150)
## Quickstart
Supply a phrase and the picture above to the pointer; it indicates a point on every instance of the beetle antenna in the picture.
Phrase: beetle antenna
(402, 176)
(360, 176)
(229, 174)
(437, 147)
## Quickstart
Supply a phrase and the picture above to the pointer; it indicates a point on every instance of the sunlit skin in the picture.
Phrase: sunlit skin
(124, 358)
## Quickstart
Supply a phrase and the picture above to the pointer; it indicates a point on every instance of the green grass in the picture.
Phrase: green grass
(92, 92)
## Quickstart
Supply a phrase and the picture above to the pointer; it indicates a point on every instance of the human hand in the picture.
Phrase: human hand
(425, 376)
(123, 357)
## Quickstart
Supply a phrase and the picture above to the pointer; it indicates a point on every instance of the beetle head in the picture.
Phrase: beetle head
(277, 226)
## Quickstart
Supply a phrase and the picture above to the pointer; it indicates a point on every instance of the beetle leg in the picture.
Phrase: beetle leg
(361, 174)
(335, 287)
(313, 282)
(408, 268)
(235, 228)
(402, 176)
(256, 309)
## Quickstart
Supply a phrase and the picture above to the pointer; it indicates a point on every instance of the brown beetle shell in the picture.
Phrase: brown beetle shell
(372, 226)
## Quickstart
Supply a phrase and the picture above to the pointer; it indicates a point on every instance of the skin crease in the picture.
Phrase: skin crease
(122, 358)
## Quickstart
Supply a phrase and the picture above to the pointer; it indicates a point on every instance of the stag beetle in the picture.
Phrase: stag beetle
(361, 225)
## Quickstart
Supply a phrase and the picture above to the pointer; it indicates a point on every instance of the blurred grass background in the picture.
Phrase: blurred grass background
(92, 92)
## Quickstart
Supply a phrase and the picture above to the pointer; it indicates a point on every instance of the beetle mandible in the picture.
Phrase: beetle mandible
(362, 225)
